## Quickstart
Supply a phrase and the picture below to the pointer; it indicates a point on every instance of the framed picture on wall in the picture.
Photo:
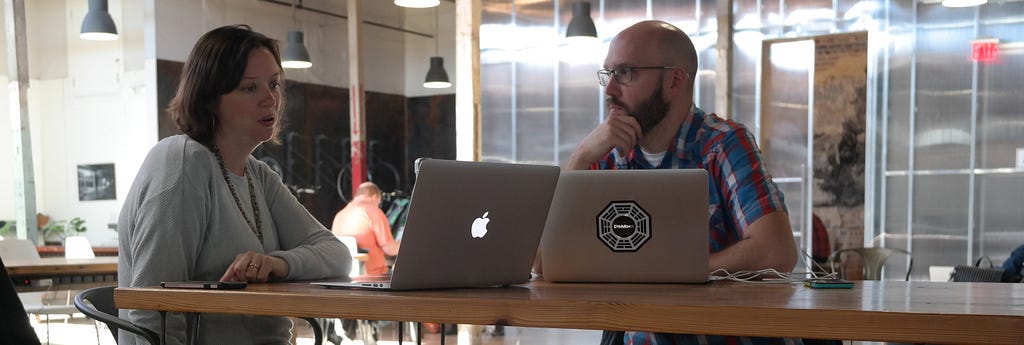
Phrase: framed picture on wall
(96, 182)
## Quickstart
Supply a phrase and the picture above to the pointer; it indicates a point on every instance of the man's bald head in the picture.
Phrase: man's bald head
(670, 44)
(368, 189)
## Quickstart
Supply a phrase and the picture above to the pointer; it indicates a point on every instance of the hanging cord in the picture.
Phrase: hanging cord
(772, 276)
(295, 22)
(436, 44)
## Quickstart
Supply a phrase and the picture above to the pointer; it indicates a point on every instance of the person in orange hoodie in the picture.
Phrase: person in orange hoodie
(363, 219)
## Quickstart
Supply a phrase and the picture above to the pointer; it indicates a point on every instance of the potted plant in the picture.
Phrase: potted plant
(55, 232)
(6, 226)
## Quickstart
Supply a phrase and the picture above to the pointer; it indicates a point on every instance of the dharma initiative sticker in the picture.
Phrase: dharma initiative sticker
(623, 226)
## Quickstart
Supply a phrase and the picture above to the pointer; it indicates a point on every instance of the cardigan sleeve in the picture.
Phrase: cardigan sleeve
(312, 251)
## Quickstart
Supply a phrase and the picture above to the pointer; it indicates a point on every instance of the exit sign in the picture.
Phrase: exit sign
(985, 50)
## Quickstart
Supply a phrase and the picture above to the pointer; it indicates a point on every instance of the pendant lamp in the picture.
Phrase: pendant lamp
(418, 3)
(98, 25)
(295, 53)
(581, 26)
(437, 77)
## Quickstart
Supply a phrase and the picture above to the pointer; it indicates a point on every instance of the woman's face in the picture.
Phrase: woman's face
(248, 115)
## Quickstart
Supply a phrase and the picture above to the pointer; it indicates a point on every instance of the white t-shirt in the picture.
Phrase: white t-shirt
(653, 158)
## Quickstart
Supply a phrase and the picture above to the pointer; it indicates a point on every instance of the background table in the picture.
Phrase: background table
(989, 313)
(51, 266)
(63, 273)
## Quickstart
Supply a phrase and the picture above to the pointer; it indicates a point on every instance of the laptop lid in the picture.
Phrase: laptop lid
(472, 224)
(628, 226)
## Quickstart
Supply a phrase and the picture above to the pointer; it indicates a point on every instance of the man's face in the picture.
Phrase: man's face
(642, 97)
(648, 112)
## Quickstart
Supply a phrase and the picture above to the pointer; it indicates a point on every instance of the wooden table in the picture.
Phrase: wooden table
(62, 266)
(73, 274)
(975, 313)
(361, 257)
(58, 251)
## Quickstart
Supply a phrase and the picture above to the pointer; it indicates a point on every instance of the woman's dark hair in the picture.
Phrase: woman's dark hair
(213, 68)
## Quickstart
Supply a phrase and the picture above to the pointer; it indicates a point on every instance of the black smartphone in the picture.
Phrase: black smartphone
(198, 284)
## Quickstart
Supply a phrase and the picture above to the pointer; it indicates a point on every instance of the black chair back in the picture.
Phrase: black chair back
(98, 304)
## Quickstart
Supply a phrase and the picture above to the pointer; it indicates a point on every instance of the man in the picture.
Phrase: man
(363, 219)
(653, 124)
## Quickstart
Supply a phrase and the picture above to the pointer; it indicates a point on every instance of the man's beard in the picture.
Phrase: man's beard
(649, 112)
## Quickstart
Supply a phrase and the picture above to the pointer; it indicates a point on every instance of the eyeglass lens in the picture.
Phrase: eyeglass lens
(622, 76)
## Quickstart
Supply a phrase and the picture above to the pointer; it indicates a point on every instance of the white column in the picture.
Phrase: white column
(17, 92)
(467, 76)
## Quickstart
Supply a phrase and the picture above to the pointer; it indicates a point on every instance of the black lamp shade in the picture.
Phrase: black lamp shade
(581, 24)
(437, 78)
(295, 53)
(98, 25)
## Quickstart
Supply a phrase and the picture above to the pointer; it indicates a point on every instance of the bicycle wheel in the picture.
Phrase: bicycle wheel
(344, 184)
(385, 176)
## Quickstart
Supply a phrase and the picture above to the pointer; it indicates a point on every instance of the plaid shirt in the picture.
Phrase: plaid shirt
(740, 192)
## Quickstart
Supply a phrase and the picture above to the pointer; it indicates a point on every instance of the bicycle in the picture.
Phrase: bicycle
(382, 173)
(324, 166)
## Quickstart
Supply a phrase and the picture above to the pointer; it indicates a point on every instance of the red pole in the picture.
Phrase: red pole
(357, 97)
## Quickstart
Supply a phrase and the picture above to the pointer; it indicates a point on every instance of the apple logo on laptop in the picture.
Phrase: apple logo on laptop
(479, 229)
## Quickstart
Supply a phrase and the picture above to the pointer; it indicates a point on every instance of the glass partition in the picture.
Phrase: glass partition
(947, 130)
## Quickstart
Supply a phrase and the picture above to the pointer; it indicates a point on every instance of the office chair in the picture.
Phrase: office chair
(874, 259)
(318, 330)
(98, 304)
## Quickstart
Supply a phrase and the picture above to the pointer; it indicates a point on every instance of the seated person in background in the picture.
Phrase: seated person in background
(821, 249)
(653, 124)
(363, 219)
(203, 208)
(1013, 265)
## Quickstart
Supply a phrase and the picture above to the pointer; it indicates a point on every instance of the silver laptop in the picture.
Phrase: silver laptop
(628, 226)
(469, 224)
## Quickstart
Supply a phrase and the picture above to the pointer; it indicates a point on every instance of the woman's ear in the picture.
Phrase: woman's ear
(211, 108)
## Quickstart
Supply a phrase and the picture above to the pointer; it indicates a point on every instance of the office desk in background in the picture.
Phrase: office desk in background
(58, 251)
(63, 273)
(59, 265)
(940, 313)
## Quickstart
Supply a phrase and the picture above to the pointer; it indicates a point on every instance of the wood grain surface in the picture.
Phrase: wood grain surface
(930, 312)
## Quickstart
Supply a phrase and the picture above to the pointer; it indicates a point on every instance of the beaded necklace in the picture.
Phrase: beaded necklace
(258, 229)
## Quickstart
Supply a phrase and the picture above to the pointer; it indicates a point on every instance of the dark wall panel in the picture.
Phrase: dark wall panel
(314, 146)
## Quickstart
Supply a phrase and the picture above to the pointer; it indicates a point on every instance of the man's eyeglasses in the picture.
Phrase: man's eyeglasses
(622, 75)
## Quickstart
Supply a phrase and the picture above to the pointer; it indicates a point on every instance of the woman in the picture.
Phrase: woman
(202, 208)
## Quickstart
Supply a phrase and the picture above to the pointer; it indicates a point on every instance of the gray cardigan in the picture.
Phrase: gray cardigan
(180, 222)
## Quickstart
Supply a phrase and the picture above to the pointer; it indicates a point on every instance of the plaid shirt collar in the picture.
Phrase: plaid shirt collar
(685, 138)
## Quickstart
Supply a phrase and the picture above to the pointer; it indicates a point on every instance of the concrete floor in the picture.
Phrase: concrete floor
(388, 335)
(81, 331)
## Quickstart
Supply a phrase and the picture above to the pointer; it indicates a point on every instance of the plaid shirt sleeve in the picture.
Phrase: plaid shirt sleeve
(734, 162)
